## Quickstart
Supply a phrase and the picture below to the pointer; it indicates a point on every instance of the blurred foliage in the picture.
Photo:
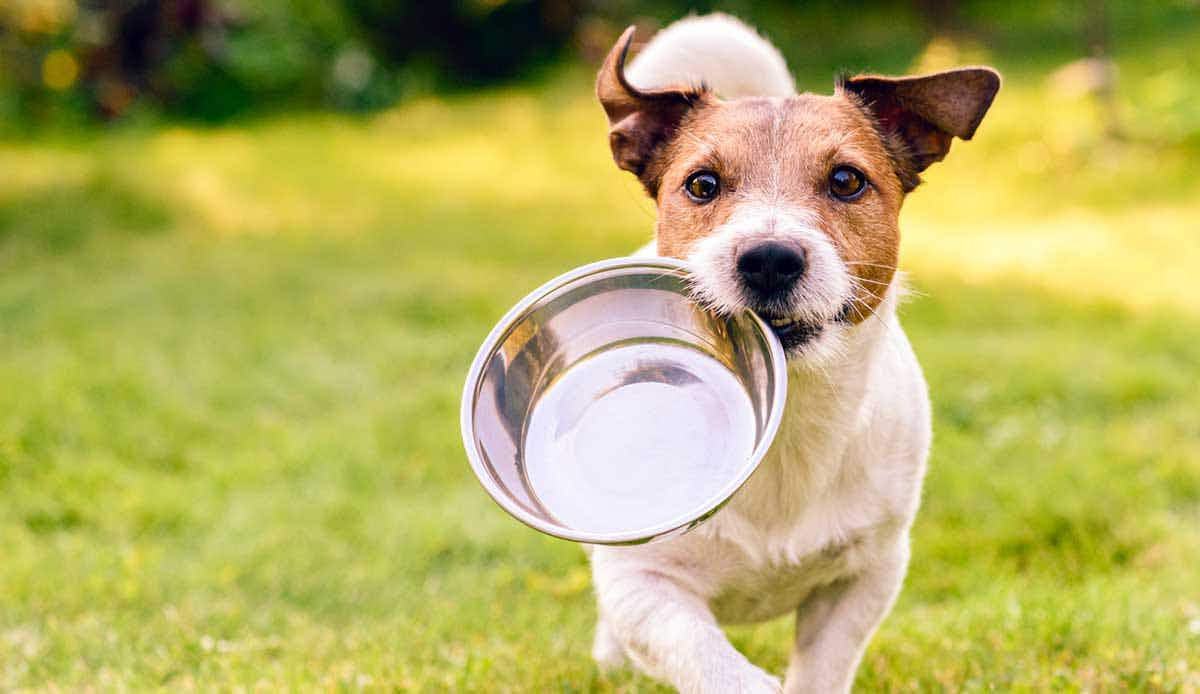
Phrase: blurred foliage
(211, 59)
(468, 41)
(197, 58)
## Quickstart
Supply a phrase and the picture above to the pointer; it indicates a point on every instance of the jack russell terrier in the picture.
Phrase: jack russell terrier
(785, 204)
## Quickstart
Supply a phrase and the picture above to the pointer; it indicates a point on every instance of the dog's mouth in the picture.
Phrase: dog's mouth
(796, 332)
(791, 331)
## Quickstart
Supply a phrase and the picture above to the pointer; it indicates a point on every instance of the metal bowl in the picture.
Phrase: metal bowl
(608, 407)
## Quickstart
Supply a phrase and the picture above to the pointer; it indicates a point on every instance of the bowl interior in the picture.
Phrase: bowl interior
(609, 407)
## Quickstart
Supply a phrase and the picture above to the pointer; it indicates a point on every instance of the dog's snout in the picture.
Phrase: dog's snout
(771, 268)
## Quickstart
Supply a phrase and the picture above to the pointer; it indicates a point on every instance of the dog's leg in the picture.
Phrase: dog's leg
(606, 650)
(834, 625)
(671, 634)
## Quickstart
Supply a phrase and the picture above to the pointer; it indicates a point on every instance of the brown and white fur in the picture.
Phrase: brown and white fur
(821, 528)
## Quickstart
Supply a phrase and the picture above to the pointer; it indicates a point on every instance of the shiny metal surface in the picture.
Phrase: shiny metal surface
(607, 407)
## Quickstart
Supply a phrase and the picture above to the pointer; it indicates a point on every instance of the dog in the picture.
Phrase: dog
(786, 204)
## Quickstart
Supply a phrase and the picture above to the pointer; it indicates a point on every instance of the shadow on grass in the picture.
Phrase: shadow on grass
(61, 217)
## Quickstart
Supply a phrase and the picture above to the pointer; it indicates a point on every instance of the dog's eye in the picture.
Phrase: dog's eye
(847, 183)
(702, 186)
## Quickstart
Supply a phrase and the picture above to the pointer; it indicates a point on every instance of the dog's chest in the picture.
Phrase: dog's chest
(753, 593)
(780, 540)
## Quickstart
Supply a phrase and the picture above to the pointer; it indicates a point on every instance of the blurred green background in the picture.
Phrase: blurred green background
(247, 251)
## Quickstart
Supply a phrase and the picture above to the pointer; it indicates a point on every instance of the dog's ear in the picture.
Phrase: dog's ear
(919, 116)
(641, 121)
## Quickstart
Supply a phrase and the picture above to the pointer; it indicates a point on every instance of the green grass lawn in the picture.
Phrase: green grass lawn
(230, 365)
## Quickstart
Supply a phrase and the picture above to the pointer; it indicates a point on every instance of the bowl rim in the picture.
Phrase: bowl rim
(778, 365)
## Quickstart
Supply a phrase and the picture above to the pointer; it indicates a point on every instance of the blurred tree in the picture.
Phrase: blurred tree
(204, 59)
(211, 59)
(468, 41)
(941, 16)
(128, 48)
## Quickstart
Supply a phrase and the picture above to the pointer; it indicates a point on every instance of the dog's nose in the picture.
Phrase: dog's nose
(771, 268)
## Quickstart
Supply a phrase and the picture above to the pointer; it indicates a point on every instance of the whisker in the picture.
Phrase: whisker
(856, 301)
(873, 281)
(873, 311)
(863, 262)
(856, 282)
(856, 310)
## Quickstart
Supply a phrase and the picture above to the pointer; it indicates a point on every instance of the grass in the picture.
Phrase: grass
(230, 363)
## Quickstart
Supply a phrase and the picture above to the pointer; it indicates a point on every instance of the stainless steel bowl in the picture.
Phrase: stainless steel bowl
(608, 407)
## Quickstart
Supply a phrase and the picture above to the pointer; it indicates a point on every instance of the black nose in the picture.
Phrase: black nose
(771, 268)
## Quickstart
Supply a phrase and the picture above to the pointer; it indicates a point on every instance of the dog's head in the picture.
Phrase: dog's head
(789, 206)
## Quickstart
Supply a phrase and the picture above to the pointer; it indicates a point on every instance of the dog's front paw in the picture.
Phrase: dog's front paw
(746, 679)
(762, 682)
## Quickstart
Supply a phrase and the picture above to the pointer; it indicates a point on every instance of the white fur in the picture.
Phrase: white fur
(821, 528)
(719, 50)
(817, 297)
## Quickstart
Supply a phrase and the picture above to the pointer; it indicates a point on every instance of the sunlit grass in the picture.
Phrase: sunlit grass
(230, 362)
(1042, 200)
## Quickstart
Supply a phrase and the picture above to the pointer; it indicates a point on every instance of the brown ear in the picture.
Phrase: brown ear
(924, 113)
(640, 122)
